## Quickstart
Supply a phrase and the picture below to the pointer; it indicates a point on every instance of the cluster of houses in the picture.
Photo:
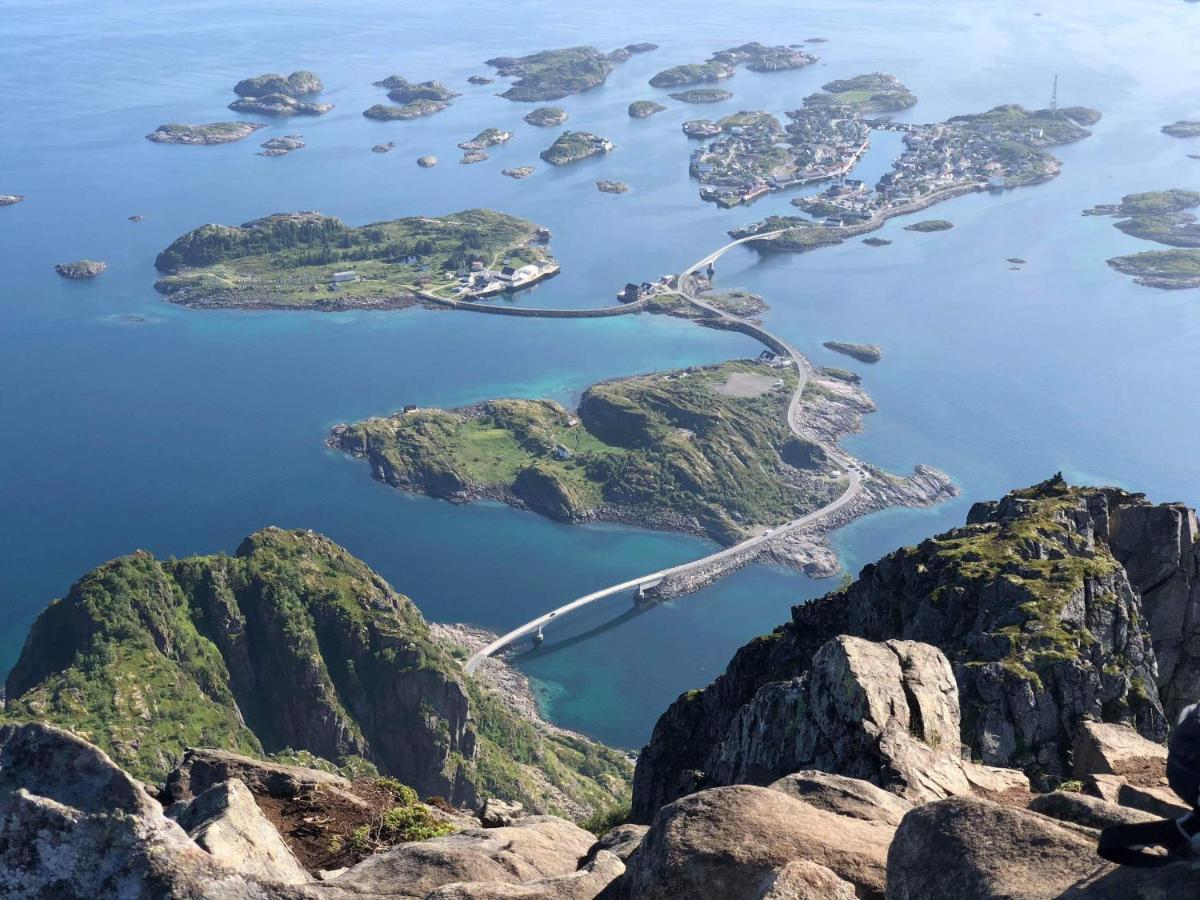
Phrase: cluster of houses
(939, 157)
(758, 155)
(482, 282)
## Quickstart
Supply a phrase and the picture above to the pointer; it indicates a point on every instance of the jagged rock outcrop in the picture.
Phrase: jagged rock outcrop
(1033, 606)
(73, 825)
(227, 823)
(290, 644)
(1158, 548)
(203, 768)
(887, 713)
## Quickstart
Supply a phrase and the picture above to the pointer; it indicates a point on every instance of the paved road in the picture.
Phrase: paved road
(854, 476)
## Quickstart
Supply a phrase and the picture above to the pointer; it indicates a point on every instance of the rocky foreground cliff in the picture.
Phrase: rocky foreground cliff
(959, 722)
(290, 646)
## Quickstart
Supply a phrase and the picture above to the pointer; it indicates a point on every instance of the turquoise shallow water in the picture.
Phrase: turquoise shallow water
(185, 432)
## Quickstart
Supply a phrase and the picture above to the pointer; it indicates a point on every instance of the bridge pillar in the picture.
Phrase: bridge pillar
(642, 597)
(539, 638)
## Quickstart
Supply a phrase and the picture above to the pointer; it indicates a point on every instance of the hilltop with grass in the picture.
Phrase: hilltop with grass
(704, 450)
(290, 260)
(291, 648)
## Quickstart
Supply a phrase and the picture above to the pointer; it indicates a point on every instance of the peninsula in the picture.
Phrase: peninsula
(195, 135)
(868, 353)
(553, 74)
(573, 146)
(306, 260)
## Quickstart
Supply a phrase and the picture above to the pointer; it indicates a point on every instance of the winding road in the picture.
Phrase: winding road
(854, 475)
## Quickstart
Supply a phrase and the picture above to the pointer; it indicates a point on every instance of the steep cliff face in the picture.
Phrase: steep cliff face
(1038, 605)
(291, 643)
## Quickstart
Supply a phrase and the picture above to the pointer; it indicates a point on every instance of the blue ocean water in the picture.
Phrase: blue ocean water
(128, 422)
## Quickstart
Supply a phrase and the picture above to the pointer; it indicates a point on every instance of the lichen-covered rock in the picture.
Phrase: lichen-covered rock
(972, 848)
(533, 848)
(584, 884)
(204, 768)
(803, 879)
(496, 813)
(226, 822)
(726, 843)
(844, 796)
(1029, 602)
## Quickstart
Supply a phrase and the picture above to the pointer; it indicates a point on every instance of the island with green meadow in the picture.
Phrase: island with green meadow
(306, 260)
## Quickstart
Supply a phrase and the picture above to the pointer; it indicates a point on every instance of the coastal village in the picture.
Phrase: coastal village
(1003, 148)
(754, 154)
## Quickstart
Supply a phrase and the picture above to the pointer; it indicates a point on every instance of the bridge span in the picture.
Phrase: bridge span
(854, 475)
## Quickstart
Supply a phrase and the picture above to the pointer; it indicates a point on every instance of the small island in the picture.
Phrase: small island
(81, 268)
(874, 93)
(306, 260)
(401, 90)
(692, 73)
(1183, 129)
(518, 172)
(297, 84)
(473, 156)
(876, 242)
(703, 450)
(868, 353)
(1165, 269)
(282, 146)
(279, 105)
(489, 137)
(1159, 216)
(415, 110)
(546, 116)
(11, 199)
(644, 109)
(612, 187)
(573, 146)
(701, 95)
(276, 95)
(427, 162)
(929, 225)
(553, 74)
(387, 147)
(480, 79)
(198, 135)
(723, 64)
